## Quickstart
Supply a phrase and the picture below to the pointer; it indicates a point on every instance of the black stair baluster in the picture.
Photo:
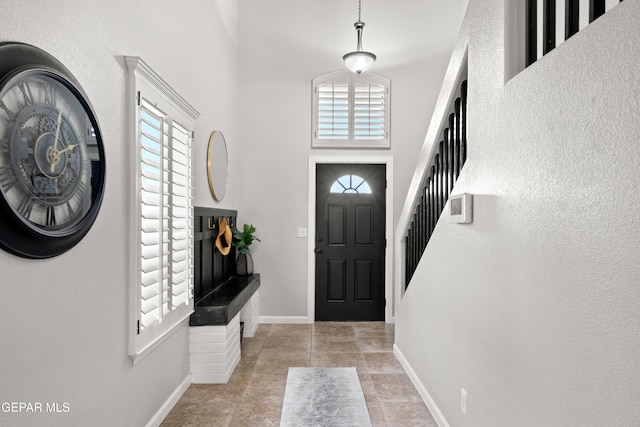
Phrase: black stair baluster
(407, 262)
(457, 138)
(410, 252)
(438, 185)
(432, 202)
(463, 120)
(549, 26)
(445, 165)
(420, 225)
(452, 148)
(596, 9)
(441, 179)
(531, 34)
(414, 245)
(571, 18)
(428, 216)
(425, 229)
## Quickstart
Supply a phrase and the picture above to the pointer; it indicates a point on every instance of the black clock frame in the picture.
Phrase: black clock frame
(15, 236)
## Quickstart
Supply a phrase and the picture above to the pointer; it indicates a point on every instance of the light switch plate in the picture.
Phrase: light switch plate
(302, 232)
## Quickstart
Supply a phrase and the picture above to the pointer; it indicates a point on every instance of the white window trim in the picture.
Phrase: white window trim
(143, 80)
(351, 79)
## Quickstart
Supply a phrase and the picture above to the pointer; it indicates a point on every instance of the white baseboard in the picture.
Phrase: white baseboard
(164, 410)
(297, 319)
(428, 400)
(285, 319)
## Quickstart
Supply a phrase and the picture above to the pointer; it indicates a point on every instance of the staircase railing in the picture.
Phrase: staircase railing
(548, 23)
(443, 172)
(551, 22)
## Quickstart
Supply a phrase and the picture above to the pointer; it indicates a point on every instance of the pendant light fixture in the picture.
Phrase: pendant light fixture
(359, 61)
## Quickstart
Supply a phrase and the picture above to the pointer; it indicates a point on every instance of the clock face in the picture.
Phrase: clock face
(51, 160)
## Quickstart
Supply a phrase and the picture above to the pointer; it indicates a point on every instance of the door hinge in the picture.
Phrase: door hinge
(138, 101)
(138, 327)
(385, 243)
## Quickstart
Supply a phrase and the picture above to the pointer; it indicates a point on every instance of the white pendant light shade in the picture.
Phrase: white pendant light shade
(359, 62)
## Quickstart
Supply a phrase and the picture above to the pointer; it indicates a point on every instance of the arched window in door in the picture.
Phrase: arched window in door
(350, 184)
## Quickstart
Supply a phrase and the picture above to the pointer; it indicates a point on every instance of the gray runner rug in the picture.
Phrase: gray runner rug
(327, 397)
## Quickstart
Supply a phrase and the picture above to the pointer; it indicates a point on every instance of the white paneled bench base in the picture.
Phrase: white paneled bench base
(250, 315)
(214, 352)
(214, 329)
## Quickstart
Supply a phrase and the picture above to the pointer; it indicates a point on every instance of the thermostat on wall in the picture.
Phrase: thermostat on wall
(461, 208)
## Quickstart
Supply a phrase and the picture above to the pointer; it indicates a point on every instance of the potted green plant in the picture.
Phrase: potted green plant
(242, 240)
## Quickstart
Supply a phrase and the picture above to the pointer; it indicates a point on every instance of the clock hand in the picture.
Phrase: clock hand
(55, 142)
(69, 148)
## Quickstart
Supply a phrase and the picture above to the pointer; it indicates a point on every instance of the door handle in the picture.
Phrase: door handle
(318, 250)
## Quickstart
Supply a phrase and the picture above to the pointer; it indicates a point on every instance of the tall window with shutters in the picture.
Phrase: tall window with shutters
(161, 209)
(351, 111)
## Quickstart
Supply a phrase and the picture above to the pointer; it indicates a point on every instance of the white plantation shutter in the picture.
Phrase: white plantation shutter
(151, 168)
(333, 111)
(165, 219)
(180, 213)
(351, 111)
(369, 111)
(162, 213)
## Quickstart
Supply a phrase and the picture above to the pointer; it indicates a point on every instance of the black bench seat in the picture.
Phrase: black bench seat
(222, 304)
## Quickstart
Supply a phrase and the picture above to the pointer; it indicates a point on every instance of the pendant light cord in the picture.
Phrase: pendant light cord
(359, 9)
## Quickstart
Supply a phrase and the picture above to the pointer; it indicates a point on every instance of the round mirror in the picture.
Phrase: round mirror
(217, 165)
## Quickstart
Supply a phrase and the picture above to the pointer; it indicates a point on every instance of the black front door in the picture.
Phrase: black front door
(350, 242)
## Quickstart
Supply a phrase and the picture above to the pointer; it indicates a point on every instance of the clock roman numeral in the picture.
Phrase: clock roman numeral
(70, 209)
(82, 192)
(10, 113)
(26, 92)
(26, 206)
(4, 145)
(7, 177)
(51, 215)
(49, 94)
(77, 201)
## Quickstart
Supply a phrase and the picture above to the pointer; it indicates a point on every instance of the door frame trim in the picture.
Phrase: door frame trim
(311, 225)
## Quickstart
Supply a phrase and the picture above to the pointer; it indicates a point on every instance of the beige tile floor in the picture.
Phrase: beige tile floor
(255, 392)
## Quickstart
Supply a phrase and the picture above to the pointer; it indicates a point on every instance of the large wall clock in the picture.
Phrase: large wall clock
(52, 166)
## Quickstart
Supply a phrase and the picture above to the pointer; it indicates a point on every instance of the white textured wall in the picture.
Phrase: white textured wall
(534, 308)
(284, 44)
(63, 321)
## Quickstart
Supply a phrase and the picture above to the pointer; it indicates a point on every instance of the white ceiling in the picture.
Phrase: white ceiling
(396, 31)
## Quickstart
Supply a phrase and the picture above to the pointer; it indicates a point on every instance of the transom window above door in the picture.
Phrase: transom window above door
(351, 111)
(352, 184)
